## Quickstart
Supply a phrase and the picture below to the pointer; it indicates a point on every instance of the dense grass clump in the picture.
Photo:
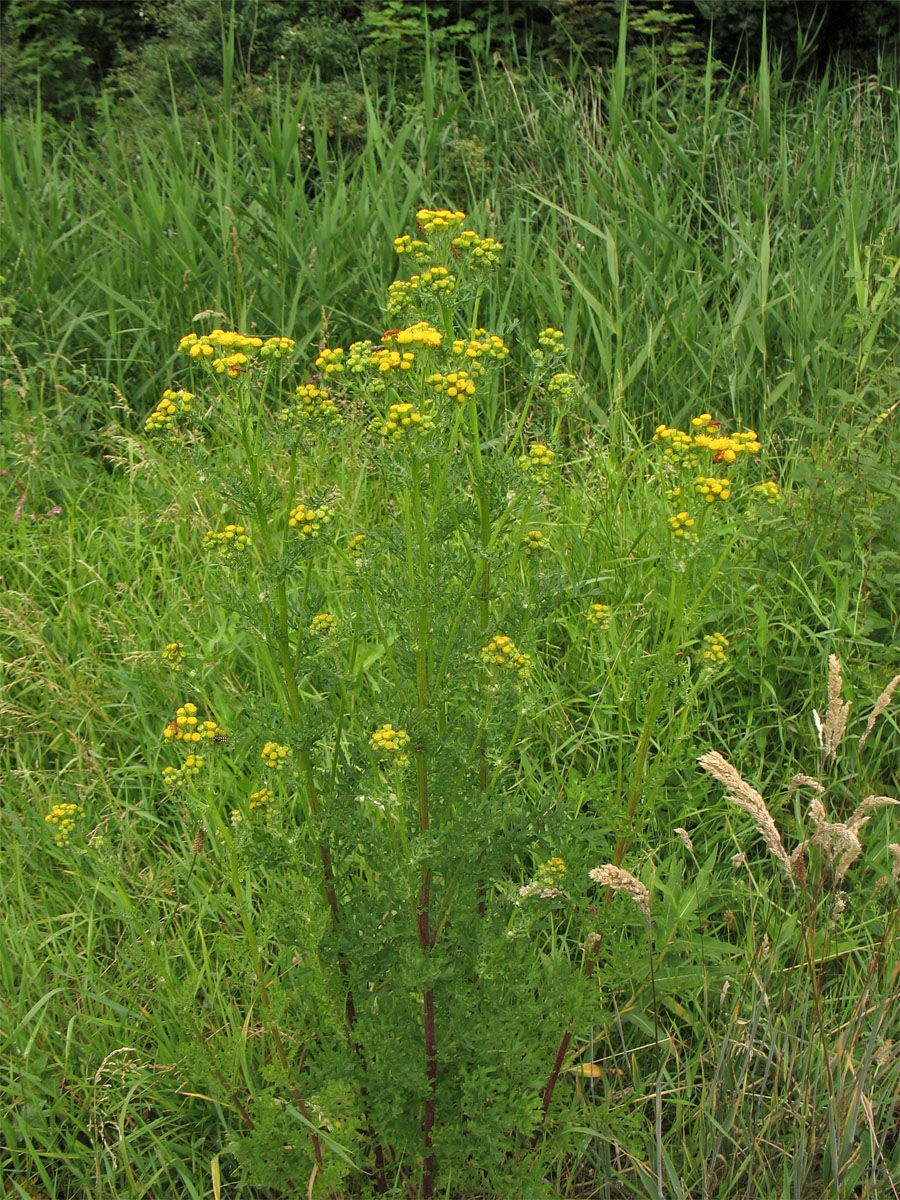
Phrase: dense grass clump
(373, 856)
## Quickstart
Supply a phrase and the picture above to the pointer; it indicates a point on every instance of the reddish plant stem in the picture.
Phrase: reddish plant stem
(593, 950)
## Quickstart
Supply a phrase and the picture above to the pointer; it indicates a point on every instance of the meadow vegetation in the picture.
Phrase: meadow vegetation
(449, 639)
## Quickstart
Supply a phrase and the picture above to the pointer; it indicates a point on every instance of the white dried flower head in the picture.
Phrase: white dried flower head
(739, 859)
(860, 816)
(622, 881)
(805, 781)
(840, 903)
(817, 721)
(836, 716)
(685, 837)
(880, 705)
(748, 798)
(894, 848)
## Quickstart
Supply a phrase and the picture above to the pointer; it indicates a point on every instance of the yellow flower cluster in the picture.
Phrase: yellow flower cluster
(205, 346)
(537, 462)
(534, 542)
(173, 655)
(314, 404)
(186, 727)
(63, 817)
(562, 386)
(552, 340)
(323, 624)
(277, 347)
(391, 742)
(501, 652)
(260, 798)
(714, 650)
(392, 360)
(420, 251)
(683, 447)
(598, 614)
(234, 364)
(360, 357)
(357, 545)
(546, 880)
(457, 384)
(275, 756)
(419, 334)
(233, 539)
(432, 220)
(309, 521)
(483, 251)
(480, 350)
(403, 291)
(767, 492)
(330, 362)
(172, 402)
(404, 421)
(682, 526)
(190, 769)
(712, 489)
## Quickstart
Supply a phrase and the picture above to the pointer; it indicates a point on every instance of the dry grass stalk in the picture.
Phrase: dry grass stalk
(685, 837)
(880, 705)
(836, 717)
(805, 781)
(622, 881)
(748, 798)
(894, 848)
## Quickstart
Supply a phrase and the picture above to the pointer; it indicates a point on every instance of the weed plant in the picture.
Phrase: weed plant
(179, 948)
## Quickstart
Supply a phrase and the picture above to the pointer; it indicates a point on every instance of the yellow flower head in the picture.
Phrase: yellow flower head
(534, 542)
(173, 655)
(275, 756)
(537, 462)
(682, 526)
(598, 614)
(62, 819)
(172, 403)
(456, 385)
(330, 362)
(712, 488)
(478, 252)
(314, 404)
(323, 624)
(260, 798)
(714, 650)
(308, 521)
(405, 422)
(188, 728)
(228, 542)
(438, 221)
(501, 652)
(392, 743)
(767, 492)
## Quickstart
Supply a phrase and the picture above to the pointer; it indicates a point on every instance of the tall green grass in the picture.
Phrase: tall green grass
(702, 247)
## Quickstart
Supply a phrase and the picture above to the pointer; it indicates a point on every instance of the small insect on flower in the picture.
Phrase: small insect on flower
(220, 739)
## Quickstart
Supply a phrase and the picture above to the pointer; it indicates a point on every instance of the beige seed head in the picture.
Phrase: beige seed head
(880, 705)
(836, 717)
(622, 881)
(685, 837)
(748, 798)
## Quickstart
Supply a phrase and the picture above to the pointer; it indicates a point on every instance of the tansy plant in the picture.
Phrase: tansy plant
(383, 544)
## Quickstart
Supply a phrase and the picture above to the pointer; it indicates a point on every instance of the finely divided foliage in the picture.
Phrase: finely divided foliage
(344, 701)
